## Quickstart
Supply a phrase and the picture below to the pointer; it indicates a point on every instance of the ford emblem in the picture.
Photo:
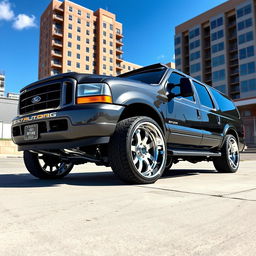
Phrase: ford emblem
(36, 99)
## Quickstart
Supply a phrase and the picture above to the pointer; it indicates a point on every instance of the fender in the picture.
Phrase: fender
(228, 128)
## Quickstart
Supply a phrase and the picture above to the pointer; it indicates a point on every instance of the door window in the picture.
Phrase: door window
(173, 86)
(204, 96)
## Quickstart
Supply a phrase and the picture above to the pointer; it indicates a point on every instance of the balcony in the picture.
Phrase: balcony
(235, 89)
(234, 80)
(119, 58)
(119, 50)
(57, 32)
(119, 42)
(56, 63)
(57, 43)
(57, 17)
(59, 9)
(234, 72)
(118, 34)
(57, 53)
(119, 66)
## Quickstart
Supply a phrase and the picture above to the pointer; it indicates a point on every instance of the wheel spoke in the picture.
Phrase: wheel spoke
(133, 148)
(138, 136)
(140, 166)
(135, 160)
(150, 145)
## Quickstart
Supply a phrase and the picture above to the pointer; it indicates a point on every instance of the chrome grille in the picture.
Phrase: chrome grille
(50, 98)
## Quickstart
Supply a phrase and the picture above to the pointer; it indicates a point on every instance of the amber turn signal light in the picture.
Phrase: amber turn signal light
(94, 99)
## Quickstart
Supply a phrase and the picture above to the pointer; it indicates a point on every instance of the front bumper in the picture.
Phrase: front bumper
(74, 126)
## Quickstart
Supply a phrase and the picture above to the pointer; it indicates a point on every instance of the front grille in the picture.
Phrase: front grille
(50, 98)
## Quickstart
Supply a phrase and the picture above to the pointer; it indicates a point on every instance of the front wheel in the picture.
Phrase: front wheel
(230, 159)
(137, 150)
(45, 166)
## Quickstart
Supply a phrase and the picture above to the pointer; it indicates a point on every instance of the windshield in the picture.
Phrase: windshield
(149, 77)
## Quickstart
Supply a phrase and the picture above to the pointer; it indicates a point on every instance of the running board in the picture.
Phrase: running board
(186, 152)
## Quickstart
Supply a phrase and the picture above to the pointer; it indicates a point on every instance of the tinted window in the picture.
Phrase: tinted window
(204, 96)
(225, 105)
(149, 77)
(173, 85)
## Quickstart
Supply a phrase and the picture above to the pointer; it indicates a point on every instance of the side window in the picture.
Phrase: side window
(173, 85)
(204, 96)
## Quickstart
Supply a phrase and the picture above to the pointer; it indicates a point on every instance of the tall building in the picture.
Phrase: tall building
(74, 38)
(218, 48)
(2, 84)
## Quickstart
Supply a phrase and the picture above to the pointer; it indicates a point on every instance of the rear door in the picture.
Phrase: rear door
(211, 125)
(183, 116)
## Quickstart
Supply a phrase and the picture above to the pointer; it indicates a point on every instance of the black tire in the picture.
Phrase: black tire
(169, 164)
(34, 166)
(121, 154)
(223, 164)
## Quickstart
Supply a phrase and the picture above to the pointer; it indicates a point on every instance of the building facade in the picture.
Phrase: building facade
(2, 84)
(218, 48)
(74, 38)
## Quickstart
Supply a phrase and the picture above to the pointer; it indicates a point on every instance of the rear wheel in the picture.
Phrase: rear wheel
(45, 166)
(137, 150)
(230, 159)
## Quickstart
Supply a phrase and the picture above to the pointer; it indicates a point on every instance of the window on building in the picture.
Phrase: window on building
(87, 32)
(111, 43)
(221, 88)
(111, 68)
(69, 53)
(218, 75)
(78, 65)
(246, 37)
(70, 17)
(194, 55)
(78, 38)
(87, 67)
(87, 40)
(248, 85)
(70, 26)
(177, 51)
(111, 26)
(246, 52)
(104, 49)
(247, 68)
(111, 52)
(78, 56)
(177, 40)
(70, 8)
(217, 61)
(194, 44)
(88, 23)
(218, 47)
(78, 20)
(78, 46)
(87, 49)
(104, 25)
(195, 67)
(78, 29)
(104, 66)
(104, 58)
(217, 35)
(87, 58)
(69, 44)
(79, 12)
(88, 15)
(216, 23)
(69, 35)
(177, 62)
(104, 41)
(193, 33)
(111, 35)
(104, 33)
(244, 24)
(244, 11)
(69, 62)
(111, 60)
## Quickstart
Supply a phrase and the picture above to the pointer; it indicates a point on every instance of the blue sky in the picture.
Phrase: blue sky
(148, 27)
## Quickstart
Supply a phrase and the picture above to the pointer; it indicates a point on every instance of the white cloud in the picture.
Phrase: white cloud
(23, 21)
(6, 12)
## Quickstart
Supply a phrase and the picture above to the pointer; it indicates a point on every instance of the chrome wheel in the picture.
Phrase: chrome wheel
(148, 150)
(233, 153)
(53, 165)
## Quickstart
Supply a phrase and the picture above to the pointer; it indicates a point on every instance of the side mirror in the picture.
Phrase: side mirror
(186, 87)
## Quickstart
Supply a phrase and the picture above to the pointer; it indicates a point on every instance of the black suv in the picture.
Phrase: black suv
(139, 123)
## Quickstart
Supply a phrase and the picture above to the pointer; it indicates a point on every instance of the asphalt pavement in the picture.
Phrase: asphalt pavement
(191, 211)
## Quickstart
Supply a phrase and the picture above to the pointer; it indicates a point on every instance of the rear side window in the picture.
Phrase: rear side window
(204, 96)
(225, 104)
(174, 80)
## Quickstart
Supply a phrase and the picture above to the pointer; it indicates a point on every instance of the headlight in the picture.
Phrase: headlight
(91, 93)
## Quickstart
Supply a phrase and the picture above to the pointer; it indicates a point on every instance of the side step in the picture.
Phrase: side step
(190, 152)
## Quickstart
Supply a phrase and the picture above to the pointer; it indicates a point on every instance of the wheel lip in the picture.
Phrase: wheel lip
(233, 165)
(129, 144)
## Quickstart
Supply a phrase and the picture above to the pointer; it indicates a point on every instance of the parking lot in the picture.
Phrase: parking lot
(192, 211)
